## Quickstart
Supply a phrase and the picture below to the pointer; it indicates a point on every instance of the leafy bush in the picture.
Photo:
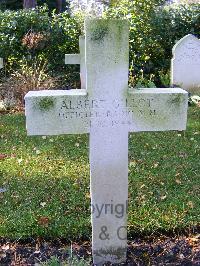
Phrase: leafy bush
(31, 75)
(15, 26)
(154, 29)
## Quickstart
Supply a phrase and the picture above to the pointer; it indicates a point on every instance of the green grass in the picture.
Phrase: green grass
(47, 181)
(72, 261)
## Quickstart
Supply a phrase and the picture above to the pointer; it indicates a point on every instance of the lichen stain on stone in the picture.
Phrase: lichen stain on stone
(120, 26)
(145, 113)
(99, 30)
(45, 103)
(175, 99)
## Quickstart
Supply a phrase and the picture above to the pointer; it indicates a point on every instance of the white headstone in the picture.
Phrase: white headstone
(1, 63)
(108, 111)
(185, 70)
(79, 59)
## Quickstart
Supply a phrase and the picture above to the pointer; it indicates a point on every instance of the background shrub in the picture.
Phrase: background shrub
(154, 29)
(61, 33)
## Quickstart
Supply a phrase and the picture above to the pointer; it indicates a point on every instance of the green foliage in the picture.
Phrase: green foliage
(165, 78)
(154, 30)
(32, 74)
(53, 261)
(62, 32)
(72, 261)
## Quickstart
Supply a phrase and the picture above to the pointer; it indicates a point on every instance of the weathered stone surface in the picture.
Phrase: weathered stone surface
(107, 62)
(185, 67)
(72, 59)
(1, 63)
(157, 109)
(80, 60)
(108, 111)
(74, 111)
(55, 112)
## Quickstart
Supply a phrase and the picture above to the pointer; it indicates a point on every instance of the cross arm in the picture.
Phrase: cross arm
(55, 112)
(157, 109)
(73, 59)
(79, 59)
(1, 63)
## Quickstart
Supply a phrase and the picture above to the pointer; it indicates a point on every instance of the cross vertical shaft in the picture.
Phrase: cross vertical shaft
(107, 80)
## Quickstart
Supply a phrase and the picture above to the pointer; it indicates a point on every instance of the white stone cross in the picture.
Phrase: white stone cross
(1, 63)
(79, 59)
(108, 111)
(185, 67)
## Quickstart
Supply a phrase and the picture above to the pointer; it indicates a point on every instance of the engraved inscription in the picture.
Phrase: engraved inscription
(104, 113)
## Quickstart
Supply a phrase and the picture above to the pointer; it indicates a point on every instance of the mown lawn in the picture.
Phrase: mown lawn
(47, 181)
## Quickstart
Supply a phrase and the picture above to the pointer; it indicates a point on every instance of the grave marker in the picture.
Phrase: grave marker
(185, 69)
(79, 59)
(108, 111)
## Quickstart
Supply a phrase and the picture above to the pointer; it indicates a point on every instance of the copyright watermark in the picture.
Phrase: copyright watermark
(118, 210)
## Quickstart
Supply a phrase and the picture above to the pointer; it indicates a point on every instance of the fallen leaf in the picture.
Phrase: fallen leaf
(20, 160)
(178, 181)
(37, 252)
(155, 165)
(183, 154)
(163, 197)
(133, 164)
(3, 156)
(43, 204)
(87, 195)
(6, 247)
(44, 221)
(194, 239)
(2, 254)
(37, 152)
(143, 197)
(190, 204)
